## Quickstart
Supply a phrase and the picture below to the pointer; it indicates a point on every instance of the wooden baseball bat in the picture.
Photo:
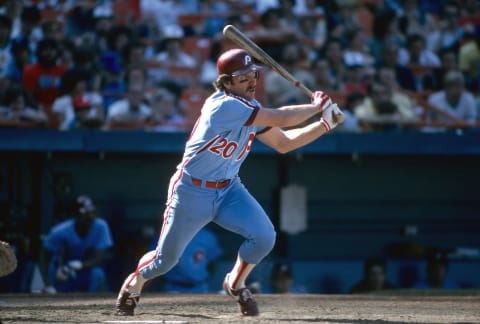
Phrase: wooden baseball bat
(256, 51)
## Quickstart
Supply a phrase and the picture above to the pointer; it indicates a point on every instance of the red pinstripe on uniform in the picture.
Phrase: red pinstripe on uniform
(167, 210)
(243, 266)
(248, 104)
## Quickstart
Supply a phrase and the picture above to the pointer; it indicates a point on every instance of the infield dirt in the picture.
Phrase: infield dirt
(211, 308)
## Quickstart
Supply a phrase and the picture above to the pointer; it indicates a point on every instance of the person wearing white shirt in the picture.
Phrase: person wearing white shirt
(454, 100)
(130, 111)
(77, 107)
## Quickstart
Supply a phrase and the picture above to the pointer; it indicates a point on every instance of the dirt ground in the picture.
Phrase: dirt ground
(158, 308)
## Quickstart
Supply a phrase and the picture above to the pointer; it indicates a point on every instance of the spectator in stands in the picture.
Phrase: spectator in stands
(5, 53)
(132, 111)
(373, 277)
(333, 52)
(454, 103)
(134, 54)
(85, 57)
(278, 91)
(160, 14)
(102, 24)
(165, 114)
(118, 38)
(378, 112)
(436, 272)
(417, 53)
(30, 29)
(66, 49)
(13, 10)
(449, 60)
(79, 19)
(272, 33)
(74, 251)
(112, 79)
(404, 104)
(195, 268)
(447, 33)
(322, 77)
(357, 49)
(173, 55)
(353, 100)
(403, 74)
(420, 60)
(414, 20)
(213, 23)
(172, 52)
(20, 59)
(78, 107)
(310, 7)
(470, 14)
(281, 280)
(288, 15)
(313, 29)
(208, 71)
(15, 108)
(42, 80)
(342, 18)
(385, 31)
(469, 60)
(52, 29)
(356, 78)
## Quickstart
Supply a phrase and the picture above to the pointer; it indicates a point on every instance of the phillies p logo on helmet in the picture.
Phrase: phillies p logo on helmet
(248, 60)
(236, 62)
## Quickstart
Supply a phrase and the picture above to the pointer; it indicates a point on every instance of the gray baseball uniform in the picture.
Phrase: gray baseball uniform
(206, 186)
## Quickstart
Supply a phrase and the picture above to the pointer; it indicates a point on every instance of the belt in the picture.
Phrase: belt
(211, 184)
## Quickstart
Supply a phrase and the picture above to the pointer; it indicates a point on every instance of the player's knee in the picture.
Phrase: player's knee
(266, 241)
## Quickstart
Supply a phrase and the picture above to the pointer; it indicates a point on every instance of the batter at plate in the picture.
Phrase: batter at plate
(206, 187)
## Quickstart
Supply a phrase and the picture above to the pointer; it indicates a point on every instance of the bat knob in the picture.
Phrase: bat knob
(338, 117)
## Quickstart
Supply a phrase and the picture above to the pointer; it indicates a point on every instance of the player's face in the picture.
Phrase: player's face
(245, 85)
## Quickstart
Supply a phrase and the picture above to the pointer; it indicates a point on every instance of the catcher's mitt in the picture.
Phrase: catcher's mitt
(8, 260)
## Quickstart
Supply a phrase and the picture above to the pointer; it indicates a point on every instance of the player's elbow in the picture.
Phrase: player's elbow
(283, 150)
(283, 147)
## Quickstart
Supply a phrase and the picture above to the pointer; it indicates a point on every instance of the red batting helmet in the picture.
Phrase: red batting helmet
(236, 62)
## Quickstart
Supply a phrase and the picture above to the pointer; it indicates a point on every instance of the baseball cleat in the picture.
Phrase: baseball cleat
(248, 304)
(126, 304)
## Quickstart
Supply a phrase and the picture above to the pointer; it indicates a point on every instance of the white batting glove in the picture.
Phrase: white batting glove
(321, 99)
(75, 265)
(331, 117)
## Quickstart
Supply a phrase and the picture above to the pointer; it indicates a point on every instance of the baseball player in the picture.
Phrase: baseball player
(206, 186)
(74, 251)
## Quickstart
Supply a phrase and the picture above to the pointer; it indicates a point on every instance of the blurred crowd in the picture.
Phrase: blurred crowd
(149, 64)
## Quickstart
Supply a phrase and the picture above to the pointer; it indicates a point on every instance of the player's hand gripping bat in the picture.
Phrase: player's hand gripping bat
(247, 44)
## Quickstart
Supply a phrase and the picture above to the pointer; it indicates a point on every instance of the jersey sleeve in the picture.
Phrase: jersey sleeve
(234, 113)
(54, 241)
(104, 235)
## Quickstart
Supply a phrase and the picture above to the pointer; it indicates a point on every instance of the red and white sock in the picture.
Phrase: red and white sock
(239, 273)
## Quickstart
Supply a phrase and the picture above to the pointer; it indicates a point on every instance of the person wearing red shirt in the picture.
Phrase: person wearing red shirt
(41, 80)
